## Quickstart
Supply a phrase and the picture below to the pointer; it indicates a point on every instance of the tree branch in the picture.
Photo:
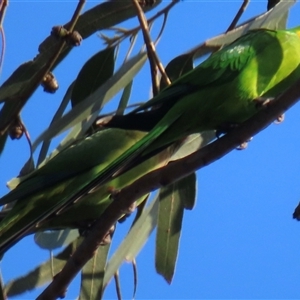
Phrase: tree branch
(152, 55)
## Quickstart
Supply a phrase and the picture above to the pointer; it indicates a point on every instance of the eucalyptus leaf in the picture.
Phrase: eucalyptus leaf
(178, 67)
(19, 78)
(134, 241)
(92, 275)
(193, 143)
(58, 114)
(187, 191)
(51, 240)
(2, 292)
(96, 71)
(41, 274)
(272, 3)
(124, 99)
(170, 215)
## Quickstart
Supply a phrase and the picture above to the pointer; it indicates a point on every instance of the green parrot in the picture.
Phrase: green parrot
(227, 88)
(222, 90)
(42, 189)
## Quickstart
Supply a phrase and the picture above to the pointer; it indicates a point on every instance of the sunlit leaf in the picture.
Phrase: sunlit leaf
(194, 142)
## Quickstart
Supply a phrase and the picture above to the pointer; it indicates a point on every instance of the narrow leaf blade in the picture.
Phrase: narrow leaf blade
(92, 275)
(173, 200)
(96, 71)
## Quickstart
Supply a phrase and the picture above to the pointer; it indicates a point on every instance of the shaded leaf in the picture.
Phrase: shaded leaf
(3, 139)
(92, 275)
(272, 3)
(124, 99)
(170, 215)
(51, 240)
(187, 189)
(58, 114)
(42, 274)
(96, 71)
(19, 79)
(2, 292)
(177, 67)
(134, 241)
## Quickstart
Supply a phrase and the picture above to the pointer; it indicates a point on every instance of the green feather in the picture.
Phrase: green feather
(49, 187)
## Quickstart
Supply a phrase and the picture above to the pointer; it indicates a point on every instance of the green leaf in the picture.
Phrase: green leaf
(134, 241)
(92, 275)
(18, 80)
(173, 199)
(272, 3)
(41, 274)
(2, 292)
(96, 71)
(90, 107)
(193, 143)
(51, 240)
(187, 189)
(177, 67)
(3, 139)
(124, 99)
(58, 114)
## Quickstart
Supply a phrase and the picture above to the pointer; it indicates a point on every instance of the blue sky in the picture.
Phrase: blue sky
(240, 241)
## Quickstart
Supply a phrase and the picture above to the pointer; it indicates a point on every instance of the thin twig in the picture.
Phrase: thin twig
(133, 31)
(135, 277)
(161, 29)
(149, 46)
(3, 47)
(3, 8)
(118, 285)
(238, 15)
